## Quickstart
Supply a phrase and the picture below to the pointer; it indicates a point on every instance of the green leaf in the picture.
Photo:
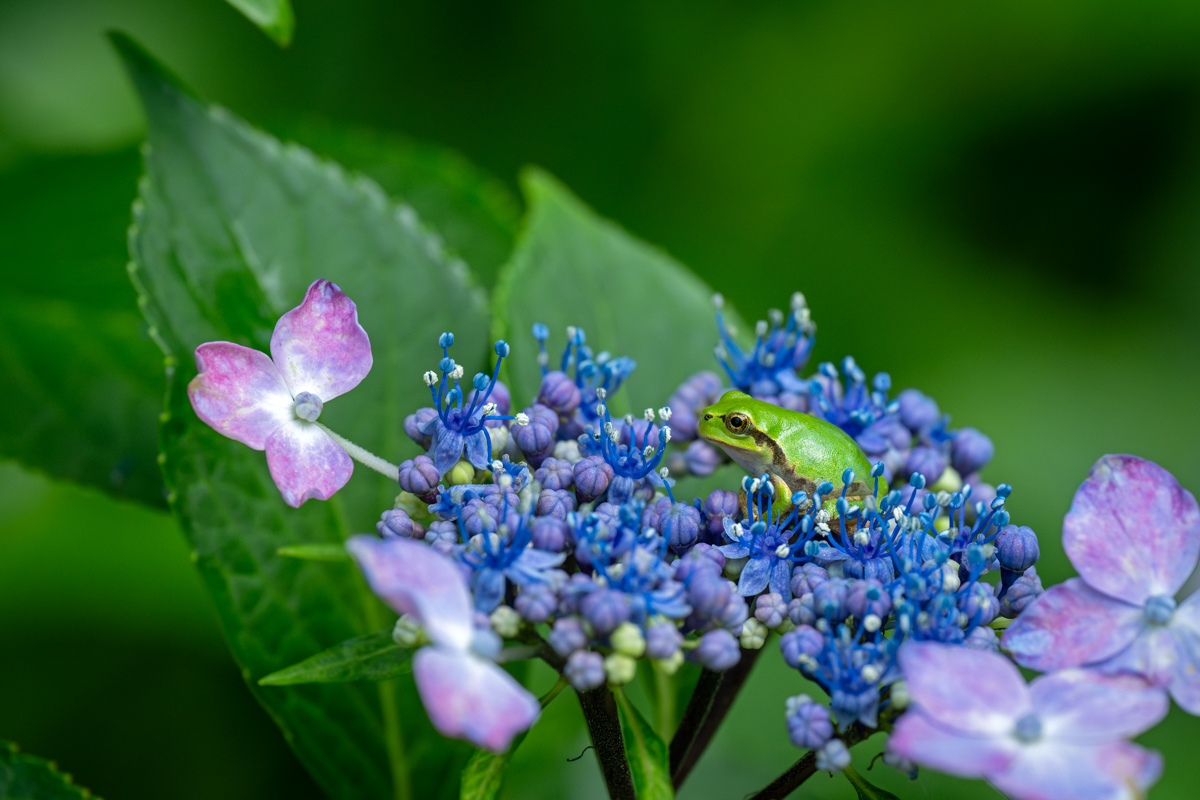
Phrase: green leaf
(865, 789)
(374, 657)
(24, 777)
(275, 17)
(230, 228)
(315, 552)
(83, 381)
(571, 267)
(646, 752)
(483, 775)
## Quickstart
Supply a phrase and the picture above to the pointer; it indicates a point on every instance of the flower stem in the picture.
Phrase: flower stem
(362, 456)
(664, 690)
(604, 727)
(806, 767)
(710, 715)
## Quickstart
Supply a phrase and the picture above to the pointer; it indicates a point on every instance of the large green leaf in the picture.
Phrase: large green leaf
(83, 381)
(230, 228)
(373, 657)
(646, 752)
(25, 777)
(864, 788)
(571, 267)
(275, 17)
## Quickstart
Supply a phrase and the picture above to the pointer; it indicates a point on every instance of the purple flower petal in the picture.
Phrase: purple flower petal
(413, 578)
(918, 738)
(1082, 706)
(780, 579)
(478, 448)
(1051, 770)
(754, 576)
(472, 699)
(1069, 626)
(488, 588)
(306, 463)
(974, 692)
(447, 448)
(1185, 628)
(240, 393)
(1132, 532)
(734, 550)
(319, 346)
(1152, 655)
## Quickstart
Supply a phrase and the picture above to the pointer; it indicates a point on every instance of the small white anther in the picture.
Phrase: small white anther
(456, 373)
(872, 622)
(629, 419)
(664, 472)
(870, 673)
(614, 437)
(602, 393)
(718, 300)
(431, 378)
(861, 538)
(570, 333)
(649, 452)
(760, 328)
(608, 428)
(522, 419)
(666, 432)
(798, 301)
(664, 413)
(783, 551)
(600, 410)
(489, 409)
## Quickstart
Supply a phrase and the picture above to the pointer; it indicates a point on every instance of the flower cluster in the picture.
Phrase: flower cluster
(556, 532)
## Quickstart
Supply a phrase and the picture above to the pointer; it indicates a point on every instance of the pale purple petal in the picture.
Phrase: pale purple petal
(974, 692)
(1152, 655)
(1069, 626)
(780, 580)
(472, 699)
(1132, 532)
(734, 550)
(447, 448)
(1185, 629)
(918, 738)
(1086, 707)
(319, 345)
(413, 578)
(488, 589)
(1050, 770)
(306, 463)
(240, 393)
(478, 448)
(754, 576)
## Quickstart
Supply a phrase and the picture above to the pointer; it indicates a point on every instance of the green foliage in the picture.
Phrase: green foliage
(275, 17)
(25, 777)
(864, 788)
(483, 775)
(645, 751)
(571, 267)
(315, 552)
(374, 657)
(229, 229)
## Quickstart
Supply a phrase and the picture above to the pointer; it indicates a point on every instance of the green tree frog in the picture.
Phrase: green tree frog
(798, 451)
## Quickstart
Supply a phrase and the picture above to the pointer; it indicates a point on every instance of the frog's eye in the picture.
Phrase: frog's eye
(737, 423)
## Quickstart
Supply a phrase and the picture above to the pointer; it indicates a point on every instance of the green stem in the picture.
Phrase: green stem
(364, 456)
(604, 728)
(806, 767)
(664, 709)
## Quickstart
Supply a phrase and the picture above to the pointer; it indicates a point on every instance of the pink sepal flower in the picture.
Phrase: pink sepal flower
(318, 352)
(466, 696)
(1062, 737)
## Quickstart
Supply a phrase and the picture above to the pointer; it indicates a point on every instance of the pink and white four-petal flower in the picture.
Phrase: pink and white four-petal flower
(1133, 533)
(1062, 737)
(318, 352)
(465, 694)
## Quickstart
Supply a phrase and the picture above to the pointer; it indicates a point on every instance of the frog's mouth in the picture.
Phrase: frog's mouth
(748, 458)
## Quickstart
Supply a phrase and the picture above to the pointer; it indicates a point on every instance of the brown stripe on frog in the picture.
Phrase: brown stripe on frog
(784, 470)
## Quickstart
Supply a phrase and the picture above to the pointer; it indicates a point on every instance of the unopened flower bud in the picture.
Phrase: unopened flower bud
(628, 640)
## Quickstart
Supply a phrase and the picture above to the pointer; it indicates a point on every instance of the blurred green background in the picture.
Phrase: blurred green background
(997, 204)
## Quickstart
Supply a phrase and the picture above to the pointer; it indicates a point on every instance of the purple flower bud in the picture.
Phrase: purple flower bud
(578, 587)
(555, 473)
(536, 602)
(792, 401)
(809, 725)
(536, 439)
(549, 533)
(806, 578)
(585, 670)
(770, 609)
(888, 433)
(556, 504)
(1024, 591)
(1017, 548)
(861, 705)
(592, 476)
(501, 397)
(980, 605)
(695, 562)
(708, 593)
(559, 393)
(420, 477)
(684, 421)
(652, 516)
(479, 517)
(734, 614)
(567, 636)
(970, 451)
(868, 597)
(917, 411)
(702, 458)
(397, 523)
(718, 505)
(662, 640)
(829, 598)
(926, 460)
(804, 641)
(802, 610)
(419, 426)
(605, 609)
(718, 651)
(442, 531)
(681, 527)
(983, 638)
(833, 757)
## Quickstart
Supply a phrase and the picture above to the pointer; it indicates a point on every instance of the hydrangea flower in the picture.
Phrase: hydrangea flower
(465, 694)
(1062, 737)
(318, 352)
(768, 544)
(1133, 533)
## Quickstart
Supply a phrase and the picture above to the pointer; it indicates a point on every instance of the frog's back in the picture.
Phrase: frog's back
(821, 451)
